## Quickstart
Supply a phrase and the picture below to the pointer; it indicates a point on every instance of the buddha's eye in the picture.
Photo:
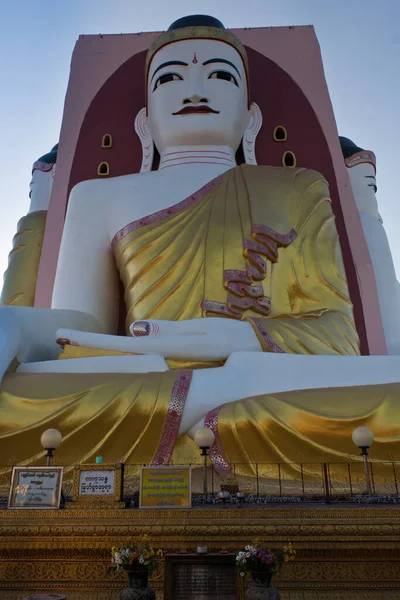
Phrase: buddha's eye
(225, 75)
(166, 78)
(373, 186)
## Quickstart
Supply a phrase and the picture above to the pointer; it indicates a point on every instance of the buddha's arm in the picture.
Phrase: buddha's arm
(28, 334)
(87, 278)
(311, 308)
(23, 262)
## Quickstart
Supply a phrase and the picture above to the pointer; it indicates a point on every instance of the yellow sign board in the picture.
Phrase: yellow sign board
(165, 487)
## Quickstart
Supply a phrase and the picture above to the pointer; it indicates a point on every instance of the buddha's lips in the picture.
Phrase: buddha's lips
(193, 110)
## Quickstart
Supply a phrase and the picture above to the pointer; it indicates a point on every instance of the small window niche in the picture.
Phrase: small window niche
(107, 141)
(289, 159)
(103, 169)
(280, 134)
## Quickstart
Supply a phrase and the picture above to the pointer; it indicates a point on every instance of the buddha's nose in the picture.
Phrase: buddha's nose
(195, 99)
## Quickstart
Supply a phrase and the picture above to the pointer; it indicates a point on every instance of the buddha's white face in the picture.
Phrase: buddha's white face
(197, 95)
(363, 184)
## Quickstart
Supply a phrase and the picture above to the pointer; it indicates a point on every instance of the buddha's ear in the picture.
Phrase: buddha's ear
(143, 132)
(251, 133)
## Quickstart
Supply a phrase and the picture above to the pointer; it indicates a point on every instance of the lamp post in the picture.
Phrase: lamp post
(204, 438)
(50, 440)
(363, 438)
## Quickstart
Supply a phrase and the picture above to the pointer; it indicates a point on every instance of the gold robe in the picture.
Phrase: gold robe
(23, 262)
(257, 243)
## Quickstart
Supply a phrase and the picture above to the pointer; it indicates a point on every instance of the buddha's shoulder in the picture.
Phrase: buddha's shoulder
(292, 177)
(103, 186)
(293, 192)
(99, 194)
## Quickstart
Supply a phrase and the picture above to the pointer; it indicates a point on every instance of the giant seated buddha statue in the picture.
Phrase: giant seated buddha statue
(238, 312)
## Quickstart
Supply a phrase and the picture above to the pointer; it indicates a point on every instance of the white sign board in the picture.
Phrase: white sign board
(33, 487)
(97, 483)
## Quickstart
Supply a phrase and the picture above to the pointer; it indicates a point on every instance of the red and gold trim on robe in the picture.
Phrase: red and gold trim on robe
(173, 419)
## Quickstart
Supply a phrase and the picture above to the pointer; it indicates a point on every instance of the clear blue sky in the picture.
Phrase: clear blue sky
(360, 42)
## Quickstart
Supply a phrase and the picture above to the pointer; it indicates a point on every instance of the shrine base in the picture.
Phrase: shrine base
(342, 552)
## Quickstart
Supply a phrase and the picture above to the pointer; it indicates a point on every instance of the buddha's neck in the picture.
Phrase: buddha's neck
(222, 156)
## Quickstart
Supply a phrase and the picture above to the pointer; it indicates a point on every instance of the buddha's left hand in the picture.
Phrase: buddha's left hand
(197, 339)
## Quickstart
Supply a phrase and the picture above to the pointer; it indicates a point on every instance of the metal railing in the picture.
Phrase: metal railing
(264, 483)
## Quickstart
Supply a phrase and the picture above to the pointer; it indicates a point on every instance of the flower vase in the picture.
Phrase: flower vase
(261, 588)
(137, 586)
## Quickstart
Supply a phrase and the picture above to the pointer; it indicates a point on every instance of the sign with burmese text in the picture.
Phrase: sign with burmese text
(97, 483)
(33, 487)
(165, 487)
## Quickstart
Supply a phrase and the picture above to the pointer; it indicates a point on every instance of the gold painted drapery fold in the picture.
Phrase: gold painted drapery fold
(125, 418)
(309, 427)
(23, 262)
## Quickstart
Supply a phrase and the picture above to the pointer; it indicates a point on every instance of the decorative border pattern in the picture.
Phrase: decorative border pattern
(216, 453)
(40, 165)
(141, 328)
(173, 419)
(266, 336)
(365, 156)
(244, 295)
(160, 215)
(220, 308)
(265, 234)
(66, 342)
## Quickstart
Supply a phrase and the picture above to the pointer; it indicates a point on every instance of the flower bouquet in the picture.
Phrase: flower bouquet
(139, 560)
(262, 563)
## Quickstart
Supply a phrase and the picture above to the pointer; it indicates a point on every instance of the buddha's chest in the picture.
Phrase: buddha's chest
(202, 257)
(139, 196)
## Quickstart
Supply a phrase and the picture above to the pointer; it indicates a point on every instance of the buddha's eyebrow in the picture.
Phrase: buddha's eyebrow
(221, 60)
(168, 64)
(372, 184)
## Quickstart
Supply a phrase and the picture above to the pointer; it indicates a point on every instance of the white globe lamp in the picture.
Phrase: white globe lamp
(363, 439)
(204, 438)
(50, 440)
